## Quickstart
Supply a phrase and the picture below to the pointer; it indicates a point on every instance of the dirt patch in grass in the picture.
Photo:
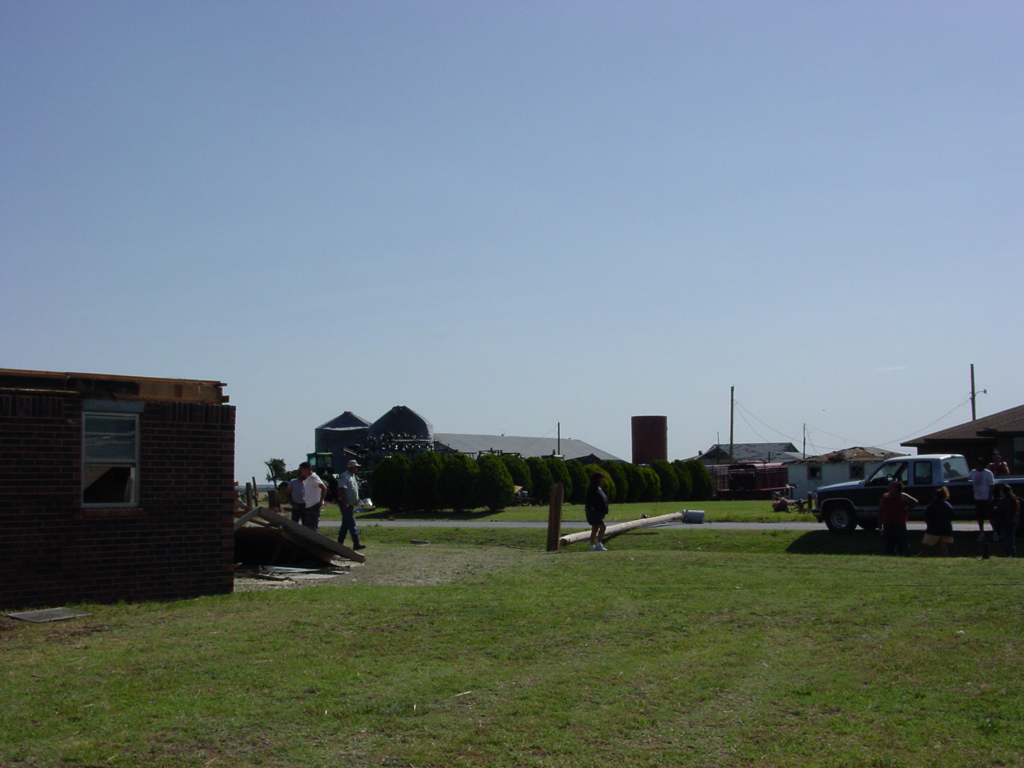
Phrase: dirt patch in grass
(409, 565)
(432, 564)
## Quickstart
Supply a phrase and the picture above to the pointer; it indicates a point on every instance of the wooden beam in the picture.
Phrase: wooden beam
(555, 516)
(239, 522)
(620, 528)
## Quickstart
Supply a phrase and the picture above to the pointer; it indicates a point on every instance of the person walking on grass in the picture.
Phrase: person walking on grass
(348, 500)
(1005, 517)
(892, 514)
(596, 509)
(938, 518)
(314, 491)
(982, 479)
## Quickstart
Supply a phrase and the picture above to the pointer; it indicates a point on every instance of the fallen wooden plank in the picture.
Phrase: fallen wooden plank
(309, 536)
(619, 528)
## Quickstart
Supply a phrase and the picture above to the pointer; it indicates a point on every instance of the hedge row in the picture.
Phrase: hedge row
(433, 482)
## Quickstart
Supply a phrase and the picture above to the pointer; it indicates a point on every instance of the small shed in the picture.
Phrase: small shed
(115, 488)
(807, 475)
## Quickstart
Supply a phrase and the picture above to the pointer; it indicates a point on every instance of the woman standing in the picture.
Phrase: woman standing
(596, 509)
(892, 514)
(938, 518)
(1005, 516)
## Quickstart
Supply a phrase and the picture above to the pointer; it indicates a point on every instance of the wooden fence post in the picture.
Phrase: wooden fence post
(555, 516)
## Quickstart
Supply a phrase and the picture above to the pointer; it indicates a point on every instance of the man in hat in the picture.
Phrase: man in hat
(348, 500)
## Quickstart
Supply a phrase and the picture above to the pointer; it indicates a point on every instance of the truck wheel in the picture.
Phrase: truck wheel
(840, 518)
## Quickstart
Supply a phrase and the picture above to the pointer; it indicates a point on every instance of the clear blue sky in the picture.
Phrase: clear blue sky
(509, 215)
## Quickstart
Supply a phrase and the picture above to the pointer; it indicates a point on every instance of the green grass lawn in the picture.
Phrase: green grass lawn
(715, 511)
(675, 648)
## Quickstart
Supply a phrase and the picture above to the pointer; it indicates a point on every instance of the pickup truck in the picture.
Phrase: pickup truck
(844, 506)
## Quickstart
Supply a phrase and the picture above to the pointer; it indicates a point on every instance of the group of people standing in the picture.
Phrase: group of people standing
(996, 503)
(307, 494)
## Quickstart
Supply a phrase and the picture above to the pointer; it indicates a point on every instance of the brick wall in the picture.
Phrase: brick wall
(178, 543)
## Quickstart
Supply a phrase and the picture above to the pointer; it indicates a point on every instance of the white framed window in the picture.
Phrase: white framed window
(110, 459)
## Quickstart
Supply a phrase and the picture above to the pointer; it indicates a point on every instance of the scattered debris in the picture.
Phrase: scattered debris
(418, 541)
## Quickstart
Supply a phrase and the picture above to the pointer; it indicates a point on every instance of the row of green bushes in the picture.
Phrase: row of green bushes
(433, 481)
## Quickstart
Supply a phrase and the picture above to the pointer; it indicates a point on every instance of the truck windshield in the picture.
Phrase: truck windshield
(893, 470)
(954, 466)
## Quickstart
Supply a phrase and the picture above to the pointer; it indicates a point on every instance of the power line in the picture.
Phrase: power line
(922, 429)
(752, 428)
(773, 429)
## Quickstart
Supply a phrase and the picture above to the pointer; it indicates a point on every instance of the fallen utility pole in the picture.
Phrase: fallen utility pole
(620, 528)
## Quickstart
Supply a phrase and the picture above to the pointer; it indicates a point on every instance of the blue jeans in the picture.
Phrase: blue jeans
(297, 510)
(348, 523)
(311, 516)
(896, 541)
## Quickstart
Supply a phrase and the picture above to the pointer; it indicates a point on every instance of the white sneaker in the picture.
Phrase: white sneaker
(981, 536)
(593, 548)
(601, 547)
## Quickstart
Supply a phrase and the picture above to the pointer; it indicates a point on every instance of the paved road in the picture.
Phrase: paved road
(811, 526)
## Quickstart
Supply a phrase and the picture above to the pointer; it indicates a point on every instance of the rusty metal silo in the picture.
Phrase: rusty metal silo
(650, 438)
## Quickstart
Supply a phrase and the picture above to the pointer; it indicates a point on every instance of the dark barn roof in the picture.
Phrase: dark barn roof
(347, 420)
(1008, 422)
(745, 453)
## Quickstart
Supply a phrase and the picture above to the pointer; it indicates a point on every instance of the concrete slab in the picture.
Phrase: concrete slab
(47, 614)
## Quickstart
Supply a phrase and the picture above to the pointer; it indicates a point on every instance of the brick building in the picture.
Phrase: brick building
(114, 488)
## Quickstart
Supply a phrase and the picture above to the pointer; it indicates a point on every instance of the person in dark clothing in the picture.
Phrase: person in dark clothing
(596, 509)
(892, 514)
(938, 518)
(1005, 516)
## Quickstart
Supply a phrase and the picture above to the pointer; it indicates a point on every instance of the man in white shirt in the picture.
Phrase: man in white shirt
(982, 479)
(313, 494)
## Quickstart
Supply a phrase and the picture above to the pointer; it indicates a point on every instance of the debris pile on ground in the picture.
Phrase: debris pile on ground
(271, 547)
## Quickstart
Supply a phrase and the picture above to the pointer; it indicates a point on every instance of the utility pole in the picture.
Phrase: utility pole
(974, 397)
(805, 440)
(732, 413)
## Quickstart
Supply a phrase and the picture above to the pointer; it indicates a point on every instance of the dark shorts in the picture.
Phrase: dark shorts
(594, 521)
(982, 509)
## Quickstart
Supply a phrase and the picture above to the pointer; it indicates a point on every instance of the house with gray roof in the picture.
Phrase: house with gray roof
(809, 474)
(524, 446)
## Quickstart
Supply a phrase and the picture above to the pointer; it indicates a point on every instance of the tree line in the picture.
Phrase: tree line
(433, 481)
